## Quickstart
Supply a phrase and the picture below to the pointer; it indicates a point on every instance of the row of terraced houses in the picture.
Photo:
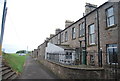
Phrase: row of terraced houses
(92, 40)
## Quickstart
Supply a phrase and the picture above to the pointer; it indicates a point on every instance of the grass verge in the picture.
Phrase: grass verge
(15, 61)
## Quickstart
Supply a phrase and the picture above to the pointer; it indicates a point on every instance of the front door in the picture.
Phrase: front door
(77, 56)
(83, 57)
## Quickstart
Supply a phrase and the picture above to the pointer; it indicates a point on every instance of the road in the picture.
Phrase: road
(35, 70)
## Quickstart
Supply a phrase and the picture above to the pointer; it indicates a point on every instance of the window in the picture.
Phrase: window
(110, 17)
(91, 59)
(112, 53)
(68, 55)
(61, 37)
(66, 36)
(73, 33)
(58, 42)
(82, 29)
(91, 34)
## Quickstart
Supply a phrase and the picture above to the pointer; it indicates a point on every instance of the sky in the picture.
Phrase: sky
(29, 22)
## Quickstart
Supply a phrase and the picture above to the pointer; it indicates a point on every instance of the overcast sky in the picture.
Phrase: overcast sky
(29, 22)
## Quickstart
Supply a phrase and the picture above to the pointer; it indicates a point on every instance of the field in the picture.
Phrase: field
(15, 61)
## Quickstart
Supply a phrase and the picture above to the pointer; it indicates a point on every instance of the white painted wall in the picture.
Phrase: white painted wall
(51, 48)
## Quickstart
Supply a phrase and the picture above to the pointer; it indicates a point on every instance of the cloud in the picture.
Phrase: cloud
(29, 22)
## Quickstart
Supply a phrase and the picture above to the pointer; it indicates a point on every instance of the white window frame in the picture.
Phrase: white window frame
(108, 55)
(91, 34)
(92, 59)
(109, 15)
(82, 29)
(73, 33)
(66, 36)
(62, 38)
(58, 36)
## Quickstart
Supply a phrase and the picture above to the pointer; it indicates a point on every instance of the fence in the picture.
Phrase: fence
(67, 59)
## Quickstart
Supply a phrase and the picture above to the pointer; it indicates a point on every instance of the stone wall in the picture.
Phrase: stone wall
(66, 72)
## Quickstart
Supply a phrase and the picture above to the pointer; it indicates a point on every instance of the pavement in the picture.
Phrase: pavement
(35, 70)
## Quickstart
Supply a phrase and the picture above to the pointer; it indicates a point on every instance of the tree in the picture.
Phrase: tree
(21, 51)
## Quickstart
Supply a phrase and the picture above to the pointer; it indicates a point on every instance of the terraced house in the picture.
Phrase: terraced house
(92, 40)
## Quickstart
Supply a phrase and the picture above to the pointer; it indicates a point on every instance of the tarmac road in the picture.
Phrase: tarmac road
(35, 70)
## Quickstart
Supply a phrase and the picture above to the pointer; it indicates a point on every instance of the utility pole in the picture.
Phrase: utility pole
(27, 50)
(2, 26)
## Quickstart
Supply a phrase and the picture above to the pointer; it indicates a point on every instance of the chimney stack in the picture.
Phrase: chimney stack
(47, 39)
(68, 23)
(57, 30)
(51, 35)
(89, 7)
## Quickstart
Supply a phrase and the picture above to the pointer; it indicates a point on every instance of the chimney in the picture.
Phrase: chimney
(89, 7)
(68, 23)
(47, 39)
(51, 35)
(57, 31)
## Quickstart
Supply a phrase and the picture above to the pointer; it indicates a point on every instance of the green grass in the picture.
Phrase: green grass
(15, 61)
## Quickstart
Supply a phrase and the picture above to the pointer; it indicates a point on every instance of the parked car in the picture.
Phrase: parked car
(22, 54)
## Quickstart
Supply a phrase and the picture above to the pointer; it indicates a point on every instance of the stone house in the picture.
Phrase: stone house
(41, 50)
(94, 37)
(35, 53)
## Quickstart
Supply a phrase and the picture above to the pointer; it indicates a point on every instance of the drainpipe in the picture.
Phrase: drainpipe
(85, 43)
(60, 38)
(99, 52)
(119, 33)
(80, 51)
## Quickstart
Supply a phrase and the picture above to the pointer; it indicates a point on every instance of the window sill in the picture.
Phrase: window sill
(111, 65)
(66, 40)
(92, 45)
(111, 27)
(81, 36)
(73, 38)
